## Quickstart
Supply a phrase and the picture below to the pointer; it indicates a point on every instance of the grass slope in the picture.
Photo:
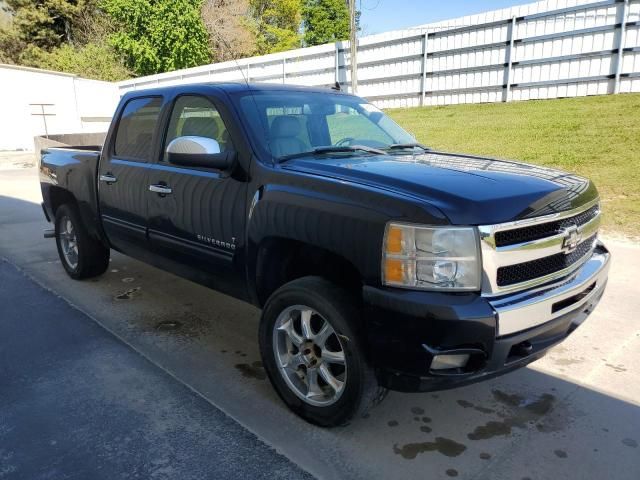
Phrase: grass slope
(597, 137)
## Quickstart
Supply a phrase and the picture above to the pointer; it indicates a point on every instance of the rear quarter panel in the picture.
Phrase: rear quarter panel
(68, 171)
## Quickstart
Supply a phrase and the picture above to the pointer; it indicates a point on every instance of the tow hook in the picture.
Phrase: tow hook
(522, 349)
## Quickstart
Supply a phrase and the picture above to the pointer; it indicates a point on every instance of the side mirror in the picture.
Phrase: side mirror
(192, 151)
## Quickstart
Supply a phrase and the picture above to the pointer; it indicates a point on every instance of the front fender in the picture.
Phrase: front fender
(347, 220)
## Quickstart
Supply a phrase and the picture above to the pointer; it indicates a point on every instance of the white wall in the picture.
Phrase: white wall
(77, 105)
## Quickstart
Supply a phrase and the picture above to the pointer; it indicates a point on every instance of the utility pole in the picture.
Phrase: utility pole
(353, 44)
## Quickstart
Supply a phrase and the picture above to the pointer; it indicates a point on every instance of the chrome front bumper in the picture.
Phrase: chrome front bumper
(531, 308)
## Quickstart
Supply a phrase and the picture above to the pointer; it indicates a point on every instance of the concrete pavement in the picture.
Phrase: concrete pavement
(574, 415)
(76, 402)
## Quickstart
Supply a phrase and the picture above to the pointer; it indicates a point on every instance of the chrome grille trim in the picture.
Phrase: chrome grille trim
(493, 258)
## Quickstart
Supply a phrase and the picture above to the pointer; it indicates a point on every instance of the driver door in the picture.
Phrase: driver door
(196, 215)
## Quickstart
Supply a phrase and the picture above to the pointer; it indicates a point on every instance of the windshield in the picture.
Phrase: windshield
(295, 123)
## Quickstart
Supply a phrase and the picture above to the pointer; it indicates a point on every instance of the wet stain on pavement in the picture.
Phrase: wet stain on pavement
(128, 295)
(255, 370)
(520, 413)
(392, 423)
(168, 326)
(617, 368)
(426, 419)
(560, 453)
(417, 411)
(185, 326)
(630, 442)
(452, 472)
(128, 280)
(445, 446)
(490, 430)
(477, 408)
(426, 429)
(483, 409)
(485, 456)
(512, 400)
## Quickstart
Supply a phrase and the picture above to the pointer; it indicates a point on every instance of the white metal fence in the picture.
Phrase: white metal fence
(548, 49)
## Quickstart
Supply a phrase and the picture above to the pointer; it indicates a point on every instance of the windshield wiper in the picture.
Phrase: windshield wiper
(404, 146)
(334, 149)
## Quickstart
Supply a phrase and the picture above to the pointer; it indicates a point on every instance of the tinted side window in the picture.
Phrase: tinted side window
(197, 116)
(134, 138)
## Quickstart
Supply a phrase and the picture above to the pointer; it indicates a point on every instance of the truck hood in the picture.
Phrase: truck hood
(469, 190)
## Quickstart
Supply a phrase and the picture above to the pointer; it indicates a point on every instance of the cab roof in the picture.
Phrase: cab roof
(234, 87)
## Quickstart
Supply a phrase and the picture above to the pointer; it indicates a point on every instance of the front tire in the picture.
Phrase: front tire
(81, 255)
(313, 355)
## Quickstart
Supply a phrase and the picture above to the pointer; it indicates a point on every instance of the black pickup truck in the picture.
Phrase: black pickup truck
(378, 263)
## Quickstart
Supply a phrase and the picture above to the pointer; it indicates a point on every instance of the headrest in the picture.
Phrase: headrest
(200, 127)
(285, 126)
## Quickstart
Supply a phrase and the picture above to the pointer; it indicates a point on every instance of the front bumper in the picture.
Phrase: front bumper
(408, 328)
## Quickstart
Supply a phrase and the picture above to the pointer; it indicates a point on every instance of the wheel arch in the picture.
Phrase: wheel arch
(279, 260)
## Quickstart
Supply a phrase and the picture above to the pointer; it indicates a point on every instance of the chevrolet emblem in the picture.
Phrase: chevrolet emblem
(572, 238)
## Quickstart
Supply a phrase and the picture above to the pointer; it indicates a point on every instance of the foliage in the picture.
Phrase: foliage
(595, 136)
(46, 24)
(277, 24)
(156, 36)
(112, 39)
(10, 45)
(230, 30)
(95, 61)
(325, 21)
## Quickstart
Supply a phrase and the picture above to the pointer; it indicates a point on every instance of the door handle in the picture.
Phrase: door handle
(108, 178)
(160, 189)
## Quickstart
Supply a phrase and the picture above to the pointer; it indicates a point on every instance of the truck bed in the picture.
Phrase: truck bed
(90, 148)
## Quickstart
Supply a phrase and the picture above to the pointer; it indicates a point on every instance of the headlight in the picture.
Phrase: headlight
(431, 258)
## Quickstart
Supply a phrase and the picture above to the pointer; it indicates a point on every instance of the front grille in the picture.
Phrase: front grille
(522, 272)
(543, 230)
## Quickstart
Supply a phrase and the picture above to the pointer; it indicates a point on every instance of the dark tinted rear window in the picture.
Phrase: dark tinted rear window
(134, 138)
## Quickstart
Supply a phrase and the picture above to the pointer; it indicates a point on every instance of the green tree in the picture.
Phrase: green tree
(46, 24)
(277, 24)
(10, 45)
(156, 36)
(97, 61)
(325, 21)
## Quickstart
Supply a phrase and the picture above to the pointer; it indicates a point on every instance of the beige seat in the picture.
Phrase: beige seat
(284, 132)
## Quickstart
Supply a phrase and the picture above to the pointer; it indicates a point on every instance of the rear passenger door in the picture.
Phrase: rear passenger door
(198, 218)
(123, 174)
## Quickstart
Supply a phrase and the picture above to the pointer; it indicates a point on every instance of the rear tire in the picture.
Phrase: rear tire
(81, 255)
(320, 370)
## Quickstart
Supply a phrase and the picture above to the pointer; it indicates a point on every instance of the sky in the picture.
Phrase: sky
(384, 15)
